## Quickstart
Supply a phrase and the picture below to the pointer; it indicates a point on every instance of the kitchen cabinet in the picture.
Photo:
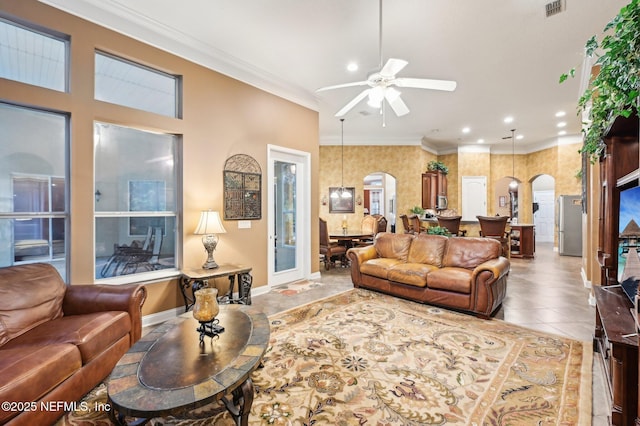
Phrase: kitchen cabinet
(434, 190)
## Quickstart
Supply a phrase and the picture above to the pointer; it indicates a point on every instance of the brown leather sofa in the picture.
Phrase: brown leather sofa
(461, 273)
(57, 342)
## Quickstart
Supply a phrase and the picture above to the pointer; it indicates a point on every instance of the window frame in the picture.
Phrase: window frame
(167, 214)
(177, 99)
(65, 215)
(49, 33)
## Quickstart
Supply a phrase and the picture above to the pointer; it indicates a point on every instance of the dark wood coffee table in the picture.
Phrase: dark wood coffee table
(168, 371)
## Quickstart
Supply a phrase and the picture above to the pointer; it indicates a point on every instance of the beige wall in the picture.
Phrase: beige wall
(407, 163)
(222, 117)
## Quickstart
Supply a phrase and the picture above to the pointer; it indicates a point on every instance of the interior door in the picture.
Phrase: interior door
(544, 218)
(289, 227)
(474, 197)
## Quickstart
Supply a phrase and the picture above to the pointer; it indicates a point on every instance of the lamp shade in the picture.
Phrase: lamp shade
(210, 223)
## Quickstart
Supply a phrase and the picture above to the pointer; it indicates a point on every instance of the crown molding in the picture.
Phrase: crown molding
(370, 141)
(118, 17)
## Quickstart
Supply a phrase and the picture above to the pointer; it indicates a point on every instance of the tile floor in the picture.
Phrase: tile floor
(545, 293)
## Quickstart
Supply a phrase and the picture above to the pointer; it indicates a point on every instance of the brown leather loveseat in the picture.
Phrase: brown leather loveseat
(57, 342)
(461, 273)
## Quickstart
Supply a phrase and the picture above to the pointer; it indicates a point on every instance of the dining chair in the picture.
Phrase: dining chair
(369, 226)
(416, 224)
(382, 222)
(330, 250)
(452, 223)
(495, 227)
(408, 228)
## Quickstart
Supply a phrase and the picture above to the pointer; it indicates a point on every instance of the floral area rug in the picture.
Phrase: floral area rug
(296, 287)
(363, 358)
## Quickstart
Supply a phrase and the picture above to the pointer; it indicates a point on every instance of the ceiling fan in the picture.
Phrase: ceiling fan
(381, 85)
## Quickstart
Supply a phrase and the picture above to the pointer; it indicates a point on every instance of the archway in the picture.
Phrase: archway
(380, 197)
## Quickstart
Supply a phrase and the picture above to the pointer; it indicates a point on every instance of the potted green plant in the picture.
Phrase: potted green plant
(438, 230)
(437, 166)
(417, 210)
(614, 90)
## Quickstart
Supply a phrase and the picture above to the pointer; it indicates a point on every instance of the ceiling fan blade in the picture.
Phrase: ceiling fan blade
(393, 67)
(345, 109)
(340, 86)
(425, 83)
(397, 104)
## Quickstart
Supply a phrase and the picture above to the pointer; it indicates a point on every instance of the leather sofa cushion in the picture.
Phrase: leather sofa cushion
(427, 248)
(29, 297)
(411, 273)
(378, 267)
(450, 279)
(30, 373)
(91, 333)
(469, 252)
(392, 246)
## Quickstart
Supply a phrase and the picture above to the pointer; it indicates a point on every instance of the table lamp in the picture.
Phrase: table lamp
(209, 225)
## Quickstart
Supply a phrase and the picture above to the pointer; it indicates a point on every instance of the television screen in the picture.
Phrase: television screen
(629, 241)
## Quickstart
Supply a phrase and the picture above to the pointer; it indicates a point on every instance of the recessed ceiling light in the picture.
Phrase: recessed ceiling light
(561, 124)
(560, 114)
(352, 66)
(480, 140)
(508, 119)
(562, 132)
(466, 130)
(520, 137)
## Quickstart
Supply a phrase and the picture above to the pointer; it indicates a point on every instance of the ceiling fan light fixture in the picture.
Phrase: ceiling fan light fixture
(376, 95)
(392, 94)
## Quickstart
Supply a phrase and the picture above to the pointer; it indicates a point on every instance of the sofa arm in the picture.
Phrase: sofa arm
(357, 256)
(362, 254)
(83, 299)
(499, 267)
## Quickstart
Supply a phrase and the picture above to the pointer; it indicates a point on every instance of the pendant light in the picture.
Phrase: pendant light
(342, 192)
(514, 183)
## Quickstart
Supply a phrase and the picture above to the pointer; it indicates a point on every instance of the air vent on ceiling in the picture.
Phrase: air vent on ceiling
(553, 8)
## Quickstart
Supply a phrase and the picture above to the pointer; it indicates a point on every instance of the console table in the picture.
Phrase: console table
(195, 279)
(617, 343)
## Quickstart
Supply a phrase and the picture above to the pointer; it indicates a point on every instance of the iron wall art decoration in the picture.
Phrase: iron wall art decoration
(242, 188)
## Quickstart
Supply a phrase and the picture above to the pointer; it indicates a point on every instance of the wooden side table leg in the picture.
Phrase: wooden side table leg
(240, 405)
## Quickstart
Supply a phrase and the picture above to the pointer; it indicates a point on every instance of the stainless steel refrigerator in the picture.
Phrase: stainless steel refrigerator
(570, 225)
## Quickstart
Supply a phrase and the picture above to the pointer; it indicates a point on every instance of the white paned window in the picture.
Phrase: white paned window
(135, 202)
(33, 57)
(132, 85)
(33, 176)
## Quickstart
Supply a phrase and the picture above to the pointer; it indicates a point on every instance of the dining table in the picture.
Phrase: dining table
(348, 237)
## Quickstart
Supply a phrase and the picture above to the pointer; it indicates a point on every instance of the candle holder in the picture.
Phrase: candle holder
(205, 310)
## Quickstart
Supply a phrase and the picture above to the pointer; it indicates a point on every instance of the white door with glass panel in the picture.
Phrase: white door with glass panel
(289, 226)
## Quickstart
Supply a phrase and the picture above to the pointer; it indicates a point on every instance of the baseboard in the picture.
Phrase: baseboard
(160, 317)
(315, 276)
(588, 284)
